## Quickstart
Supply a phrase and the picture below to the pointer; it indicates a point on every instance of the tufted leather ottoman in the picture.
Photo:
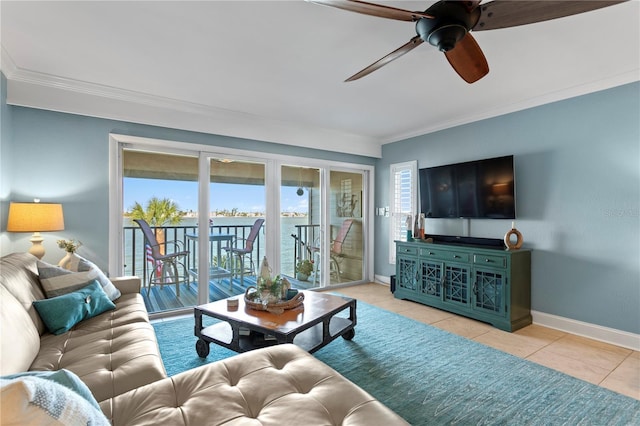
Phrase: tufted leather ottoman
(279, 385)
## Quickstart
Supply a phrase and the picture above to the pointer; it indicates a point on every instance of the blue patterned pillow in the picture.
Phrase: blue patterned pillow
(61, 313)
(57, 281)
(34, 400)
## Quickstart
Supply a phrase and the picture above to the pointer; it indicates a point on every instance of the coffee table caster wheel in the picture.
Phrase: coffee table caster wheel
(202, 348)
(349, 334)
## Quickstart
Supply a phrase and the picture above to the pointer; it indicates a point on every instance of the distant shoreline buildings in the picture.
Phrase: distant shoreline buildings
(191, 214)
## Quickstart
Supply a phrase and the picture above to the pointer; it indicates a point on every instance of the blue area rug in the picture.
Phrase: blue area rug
(432, 377)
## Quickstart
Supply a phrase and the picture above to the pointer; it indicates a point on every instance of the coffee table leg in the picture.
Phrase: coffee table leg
(202, 348)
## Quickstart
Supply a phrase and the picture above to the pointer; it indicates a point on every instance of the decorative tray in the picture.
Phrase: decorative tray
(252, 300)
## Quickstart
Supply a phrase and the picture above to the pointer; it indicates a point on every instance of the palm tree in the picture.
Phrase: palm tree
(158, 212)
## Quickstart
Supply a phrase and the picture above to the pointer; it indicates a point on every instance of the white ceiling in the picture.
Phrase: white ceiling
(274, 70)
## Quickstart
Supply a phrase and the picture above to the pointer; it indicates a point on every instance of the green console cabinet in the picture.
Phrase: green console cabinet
(486, 283)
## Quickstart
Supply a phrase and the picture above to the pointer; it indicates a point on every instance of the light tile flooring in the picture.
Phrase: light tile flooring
(603, 364)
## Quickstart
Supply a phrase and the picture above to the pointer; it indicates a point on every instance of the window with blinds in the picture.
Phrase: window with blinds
(404, 201)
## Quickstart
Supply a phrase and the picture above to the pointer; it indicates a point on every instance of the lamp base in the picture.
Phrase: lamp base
(37, 249)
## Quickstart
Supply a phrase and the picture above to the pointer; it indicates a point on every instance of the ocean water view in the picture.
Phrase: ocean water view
(134, 256)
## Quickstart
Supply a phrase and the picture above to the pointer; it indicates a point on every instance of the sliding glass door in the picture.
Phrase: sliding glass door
(162, 190)
(346, 225)
(228, 209)
(300, 220)
(236, 216)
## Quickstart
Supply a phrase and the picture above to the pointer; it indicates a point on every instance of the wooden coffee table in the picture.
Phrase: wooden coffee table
(321, 319)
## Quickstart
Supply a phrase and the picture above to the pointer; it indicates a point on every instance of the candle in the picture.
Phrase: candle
(513, 225)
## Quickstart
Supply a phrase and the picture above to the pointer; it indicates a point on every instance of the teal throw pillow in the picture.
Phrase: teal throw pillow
(61, 313)
(65, 378)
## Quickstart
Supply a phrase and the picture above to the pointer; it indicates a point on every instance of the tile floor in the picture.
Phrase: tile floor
(603, 364)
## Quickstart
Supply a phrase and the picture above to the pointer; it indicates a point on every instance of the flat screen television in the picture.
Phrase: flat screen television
(474, 189)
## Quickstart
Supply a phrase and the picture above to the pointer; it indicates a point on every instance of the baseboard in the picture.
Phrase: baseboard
(592, 331)
(382, 279)
(568, 325)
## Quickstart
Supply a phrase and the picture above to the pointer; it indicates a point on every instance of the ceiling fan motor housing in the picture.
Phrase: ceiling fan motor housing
(450, 24)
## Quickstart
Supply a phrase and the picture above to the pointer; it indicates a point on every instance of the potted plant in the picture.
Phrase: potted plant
(304, 269)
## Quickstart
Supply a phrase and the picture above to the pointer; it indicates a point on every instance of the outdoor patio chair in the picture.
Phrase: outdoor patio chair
(336, 254)
(244, 253)
(165, 263)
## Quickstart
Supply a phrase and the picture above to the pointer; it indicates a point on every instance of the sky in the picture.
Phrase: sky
(246, 198)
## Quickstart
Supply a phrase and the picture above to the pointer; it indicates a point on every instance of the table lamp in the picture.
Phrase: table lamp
(35, 217)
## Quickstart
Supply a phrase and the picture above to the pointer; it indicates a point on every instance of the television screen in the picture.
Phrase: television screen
(475, 189)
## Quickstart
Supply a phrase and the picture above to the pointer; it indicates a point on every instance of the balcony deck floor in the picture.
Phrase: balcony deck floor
(164, 299)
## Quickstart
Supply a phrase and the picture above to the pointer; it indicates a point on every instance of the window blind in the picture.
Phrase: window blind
(404, 200)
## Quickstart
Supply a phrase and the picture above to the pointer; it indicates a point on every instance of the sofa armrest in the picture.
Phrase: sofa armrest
(127, 285)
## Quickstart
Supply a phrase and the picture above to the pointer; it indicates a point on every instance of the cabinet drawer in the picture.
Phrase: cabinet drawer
(492, 260)
(444, 255)
(411, 251)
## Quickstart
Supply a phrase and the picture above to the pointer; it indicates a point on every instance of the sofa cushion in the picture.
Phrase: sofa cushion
(109, 360)
(63, 312)
(129, 309)
(33, 400)
(19, 275)
(19, 337)
(279, 385)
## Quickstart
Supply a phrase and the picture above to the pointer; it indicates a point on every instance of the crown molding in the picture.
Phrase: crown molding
(620, 79)
(7, 65)
(44, 91)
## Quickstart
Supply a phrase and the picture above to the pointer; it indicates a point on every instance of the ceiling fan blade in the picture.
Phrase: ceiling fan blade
(468, 60)
(410, 45)
(374, 9)
(508, 13)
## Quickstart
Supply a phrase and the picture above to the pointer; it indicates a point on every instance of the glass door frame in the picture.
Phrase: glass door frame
(273, 164)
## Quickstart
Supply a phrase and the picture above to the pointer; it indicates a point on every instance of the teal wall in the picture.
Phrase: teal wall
(578, 199)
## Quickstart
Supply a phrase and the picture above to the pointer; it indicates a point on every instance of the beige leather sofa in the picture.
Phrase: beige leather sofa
(116, 354)
(112, 353)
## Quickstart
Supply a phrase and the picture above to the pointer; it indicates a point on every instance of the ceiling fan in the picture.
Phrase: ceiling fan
(447, 25)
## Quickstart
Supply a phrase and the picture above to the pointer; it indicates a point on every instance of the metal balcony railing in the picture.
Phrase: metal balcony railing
(135, 259)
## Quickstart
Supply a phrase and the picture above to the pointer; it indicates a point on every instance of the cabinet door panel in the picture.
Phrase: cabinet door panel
(490, 291)
(431, 279)
(407, 270)
(456, 284)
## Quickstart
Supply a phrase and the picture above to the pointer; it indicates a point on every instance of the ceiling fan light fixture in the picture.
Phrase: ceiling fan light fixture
(451, 23)
(446, 37)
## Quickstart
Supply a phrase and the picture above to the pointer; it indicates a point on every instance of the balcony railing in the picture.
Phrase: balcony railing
(305, 236)
(135, 261)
